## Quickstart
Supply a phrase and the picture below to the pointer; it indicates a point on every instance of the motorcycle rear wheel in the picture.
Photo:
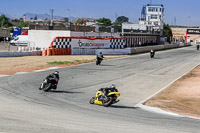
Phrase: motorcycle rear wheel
(108, 102)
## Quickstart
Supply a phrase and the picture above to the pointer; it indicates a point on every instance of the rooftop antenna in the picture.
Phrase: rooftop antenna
(116, 16)
(150, 2)
(175, 21)
(51, 10)
(69, 10)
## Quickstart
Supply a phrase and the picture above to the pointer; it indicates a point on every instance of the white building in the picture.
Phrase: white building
(153, 14)
(128, 27)
(43, 38)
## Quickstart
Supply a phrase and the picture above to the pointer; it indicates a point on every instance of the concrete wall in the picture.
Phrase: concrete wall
(4, 32)
(83, 51)
(86, 51)
(124, 51)
(114, 51)
(157, 47)
(18, 54)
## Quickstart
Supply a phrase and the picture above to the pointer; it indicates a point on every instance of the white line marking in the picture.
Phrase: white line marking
(158, 110)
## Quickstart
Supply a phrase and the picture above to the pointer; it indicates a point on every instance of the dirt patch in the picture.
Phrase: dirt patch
(11, 65)
(181, 97)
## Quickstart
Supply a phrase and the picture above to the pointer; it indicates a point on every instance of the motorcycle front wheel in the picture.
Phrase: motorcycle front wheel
(92, 100)
(47, 87)
(108, 102)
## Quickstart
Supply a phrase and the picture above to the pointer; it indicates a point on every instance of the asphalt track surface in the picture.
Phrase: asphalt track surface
(25, 109)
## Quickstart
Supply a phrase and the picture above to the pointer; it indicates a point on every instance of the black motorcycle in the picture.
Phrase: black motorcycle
(197, 47)
(98, 61)
(152, 53)
(48, 84)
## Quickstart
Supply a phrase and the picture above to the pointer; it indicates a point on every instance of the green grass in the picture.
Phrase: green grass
(69, 62)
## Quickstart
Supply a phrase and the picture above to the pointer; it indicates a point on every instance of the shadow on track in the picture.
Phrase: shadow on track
(106, 65)
(122, 107)
(157, 58)
(59, 91)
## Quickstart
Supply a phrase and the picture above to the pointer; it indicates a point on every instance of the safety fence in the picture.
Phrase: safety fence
(56, 51)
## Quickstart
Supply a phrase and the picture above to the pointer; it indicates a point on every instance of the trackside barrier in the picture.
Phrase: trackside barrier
(56, 51)
(83, 45)
(44, 52)
(83, 51)
(156, 47)
(20, 53)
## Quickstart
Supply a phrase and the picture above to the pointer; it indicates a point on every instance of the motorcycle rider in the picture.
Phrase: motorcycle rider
(55, 77)
(152, 53)
(107, 90)
(100, 56)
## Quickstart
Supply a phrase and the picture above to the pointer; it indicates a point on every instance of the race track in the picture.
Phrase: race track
(25, 109)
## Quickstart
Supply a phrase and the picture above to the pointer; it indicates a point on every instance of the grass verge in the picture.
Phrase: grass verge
(69, 62)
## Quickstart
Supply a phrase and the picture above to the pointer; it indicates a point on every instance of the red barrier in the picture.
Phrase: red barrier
(56, 51)
(49, 52)
(44, 53)
(65, 51)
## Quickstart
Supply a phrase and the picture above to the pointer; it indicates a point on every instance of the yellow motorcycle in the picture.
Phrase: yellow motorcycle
(105, 98)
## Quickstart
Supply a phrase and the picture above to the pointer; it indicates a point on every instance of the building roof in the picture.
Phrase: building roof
(154, 5)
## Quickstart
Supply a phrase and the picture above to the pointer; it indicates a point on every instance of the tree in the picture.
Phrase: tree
(104, 21)
(117, 25)
(24, 24)
(80, 21)
(122, 19)
(167, 32)
(4, 22)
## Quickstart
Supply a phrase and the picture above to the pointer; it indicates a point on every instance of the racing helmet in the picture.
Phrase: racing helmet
(113, 86)
(56, 72)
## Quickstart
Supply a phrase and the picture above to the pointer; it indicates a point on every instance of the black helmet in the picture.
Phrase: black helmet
(100, 52)
(56, 72)
(113, 86)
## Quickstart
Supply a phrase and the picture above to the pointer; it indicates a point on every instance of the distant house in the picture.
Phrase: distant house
(88, 21)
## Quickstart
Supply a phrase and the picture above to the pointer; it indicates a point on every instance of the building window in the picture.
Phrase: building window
(154, 17)
(149, 18)
(153, 9)
(156, 23)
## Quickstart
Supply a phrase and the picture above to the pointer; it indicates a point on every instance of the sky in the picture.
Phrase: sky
(186, 12)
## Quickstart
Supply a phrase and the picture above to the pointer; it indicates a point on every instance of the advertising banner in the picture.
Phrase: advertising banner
(193, 31)
(16, 32)
(86, 42)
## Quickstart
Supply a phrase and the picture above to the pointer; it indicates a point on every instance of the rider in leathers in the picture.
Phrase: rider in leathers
(107, 90)
(100, 56)
(55, 77)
